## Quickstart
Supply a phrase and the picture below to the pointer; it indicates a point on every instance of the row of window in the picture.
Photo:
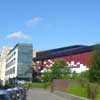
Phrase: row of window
(13, 54)
(11, 63)
(10, 71)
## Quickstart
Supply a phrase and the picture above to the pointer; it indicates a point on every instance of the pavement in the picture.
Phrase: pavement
(36, 94)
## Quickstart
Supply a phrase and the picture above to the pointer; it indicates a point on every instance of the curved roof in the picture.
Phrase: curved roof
(65, 51)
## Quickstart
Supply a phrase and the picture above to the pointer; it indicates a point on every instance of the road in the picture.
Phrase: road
(42, 95)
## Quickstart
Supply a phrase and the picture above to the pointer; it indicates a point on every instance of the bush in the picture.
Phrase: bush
(75, 76)
(93, 91)
(90, 90)
(59, 70)
(94, 72)
(46, 77)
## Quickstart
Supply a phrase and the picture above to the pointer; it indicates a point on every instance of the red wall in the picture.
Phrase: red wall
(81, 58)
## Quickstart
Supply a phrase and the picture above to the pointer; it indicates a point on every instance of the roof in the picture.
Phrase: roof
(69, 47)
(17, 45)
(65, 51)
(3, 92)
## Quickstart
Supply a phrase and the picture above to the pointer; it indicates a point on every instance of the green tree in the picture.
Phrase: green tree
(46, 76)
(94, 72)
(59, 70)
(84, 75)
(75, 76)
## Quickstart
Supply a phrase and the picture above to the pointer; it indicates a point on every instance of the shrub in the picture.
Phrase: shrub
(93, 91)
(94, 72)
(75, 76)
(59, 70)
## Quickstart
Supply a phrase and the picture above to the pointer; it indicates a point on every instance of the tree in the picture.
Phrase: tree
(75, 76)
(94, 72)
(83, 76)
(59, 70)
(46, 76)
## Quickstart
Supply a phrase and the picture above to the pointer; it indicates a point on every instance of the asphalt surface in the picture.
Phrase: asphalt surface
(42, 95)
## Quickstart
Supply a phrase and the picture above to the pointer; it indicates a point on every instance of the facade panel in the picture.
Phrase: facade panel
(77, 57)
(19, 62)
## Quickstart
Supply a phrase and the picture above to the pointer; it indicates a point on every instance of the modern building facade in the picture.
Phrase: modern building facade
(3, 57)
(77, 57)
(19, 62)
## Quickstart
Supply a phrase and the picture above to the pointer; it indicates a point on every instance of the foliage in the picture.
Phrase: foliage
(94, 72)
(46, 77)
(58, 71)
(75, 76)
(83, 76)
(93, 91)
(77, 89)
(34, 76)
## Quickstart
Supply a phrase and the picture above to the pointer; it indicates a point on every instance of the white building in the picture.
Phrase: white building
(19, 62)
(3, 57)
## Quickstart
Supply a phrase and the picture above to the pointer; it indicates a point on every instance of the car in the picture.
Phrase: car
(16, 93)
(4, 95)
(22, 93)
(21, 82)
(11, 93)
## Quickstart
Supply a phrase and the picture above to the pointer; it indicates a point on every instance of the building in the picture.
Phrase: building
(19, 63)
(3, 58)
(76, 56)
(34, 55)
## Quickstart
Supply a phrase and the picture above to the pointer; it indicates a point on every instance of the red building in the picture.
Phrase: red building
(76, 56)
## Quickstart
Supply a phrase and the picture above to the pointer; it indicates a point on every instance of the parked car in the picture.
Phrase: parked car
(4, 95)
(17, 93)
(22, 93)
(21, 82)
(10, 93)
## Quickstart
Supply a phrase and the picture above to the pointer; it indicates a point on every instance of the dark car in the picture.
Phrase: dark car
(16, 91)
(4, 95)
(11, 93)
(22, 93)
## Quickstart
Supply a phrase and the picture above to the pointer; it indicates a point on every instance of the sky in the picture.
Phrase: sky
(49, 24)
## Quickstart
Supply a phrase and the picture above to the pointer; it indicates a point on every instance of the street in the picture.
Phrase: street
(42, 95)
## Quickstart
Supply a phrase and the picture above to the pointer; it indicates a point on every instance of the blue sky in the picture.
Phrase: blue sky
(49, 23)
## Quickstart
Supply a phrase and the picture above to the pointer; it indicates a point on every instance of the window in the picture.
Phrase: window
(13, 69)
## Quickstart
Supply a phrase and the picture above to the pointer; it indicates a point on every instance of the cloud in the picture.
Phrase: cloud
(34, 21)
(18, 35)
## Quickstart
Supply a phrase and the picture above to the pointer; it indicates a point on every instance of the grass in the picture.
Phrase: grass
(37, 85)
(98, 97)
(73, 88)
(77, 89)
